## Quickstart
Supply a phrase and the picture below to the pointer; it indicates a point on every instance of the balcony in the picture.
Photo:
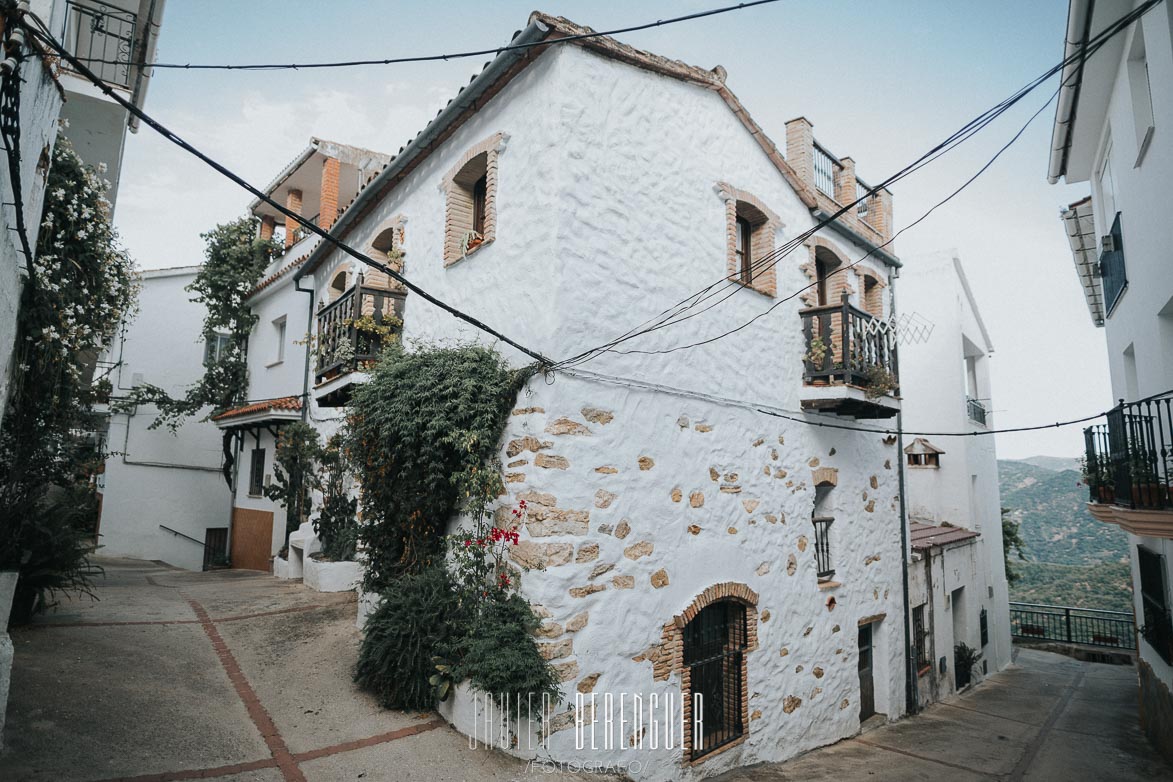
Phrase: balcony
(976, 411)
(103, 38)
(850, 362)
(352, 332)
(1129, 467)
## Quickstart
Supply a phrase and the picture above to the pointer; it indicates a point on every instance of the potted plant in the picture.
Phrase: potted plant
(1096, 478)
(1146, 490)
(965, 658)
(472, 240)
(816, 353)
(879, 381)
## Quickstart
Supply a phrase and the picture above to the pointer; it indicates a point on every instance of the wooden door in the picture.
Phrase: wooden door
(252, 539)
(867, 687)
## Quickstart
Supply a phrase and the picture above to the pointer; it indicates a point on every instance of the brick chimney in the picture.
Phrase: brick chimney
(800, 142)
(293, 204)
(845, 182)
(267, 226)
(329, 195)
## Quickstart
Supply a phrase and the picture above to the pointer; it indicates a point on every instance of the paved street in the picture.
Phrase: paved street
(238, 676)
(1047, 718)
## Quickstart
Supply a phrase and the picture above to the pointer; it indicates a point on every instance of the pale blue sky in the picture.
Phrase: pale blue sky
(882, 81)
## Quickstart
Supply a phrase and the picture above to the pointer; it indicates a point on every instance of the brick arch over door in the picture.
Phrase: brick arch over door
(668, 656)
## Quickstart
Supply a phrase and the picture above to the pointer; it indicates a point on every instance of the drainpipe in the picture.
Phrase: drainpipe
(309, 330)
(910, 694)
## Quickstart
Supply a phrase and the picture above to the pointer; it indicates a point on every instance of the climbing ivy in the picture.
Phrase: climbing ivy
(295, 474)
(424, 432)
(235, 258)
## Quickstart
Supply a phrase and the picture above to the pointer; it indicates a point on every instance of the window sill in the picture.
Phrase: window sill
(256, 496)
(829, 584)
(923, 670)
(752, 287)
(737, 742)
(470, 253)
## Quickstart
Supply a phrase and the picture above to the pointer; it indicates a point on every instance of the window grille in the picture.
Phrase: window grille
(1158, 626)
(823, 547)
(920, 639)
(984, 622)
(256, 473)
(714, 651)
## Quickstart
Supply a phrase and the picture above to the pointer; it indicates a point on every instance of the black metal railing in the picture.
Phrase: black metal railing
(976, 410)
(824, 170)
(823, 547)
(845, 344)
(1130, 458)
(351, 329)
(215, 543)
(102, 37)
(1112, 275)
(1091, 627)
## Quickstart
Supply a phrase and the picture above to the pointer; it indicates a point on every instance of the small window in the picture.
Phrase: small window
(1140, 92)
(215, 347)
(1154, 595)
(924, 460)
(873, 296)
(750, 233)
(920, 640)
(984, 623)
(744, 250)
(279, 329)
(337, 286)
(823, 547)
(256, 473)
(470, 197)
(715, 642)
(479, 192)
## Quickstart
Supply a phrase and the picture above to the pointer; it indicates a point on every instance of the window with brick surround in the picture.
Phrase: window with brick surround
(873, 296)
(470, 200)
(750, 229)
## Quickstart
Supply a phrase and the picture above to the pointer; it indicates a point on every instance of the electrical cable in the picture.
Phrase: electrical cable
(672, 315)
(309, 225)
(440, 57)
(10, 136)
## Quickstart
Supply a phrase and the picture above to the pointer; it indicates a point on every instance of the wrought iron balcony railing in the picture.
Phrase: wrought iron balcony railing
(844, 344)
(103, 38)
(1092, 627)
(353, 329)
(824, 170)
(1130, 458)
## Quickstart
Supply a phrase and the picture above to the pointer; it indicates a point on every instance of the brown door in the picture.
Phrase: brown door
(252, 539)
(867, 687)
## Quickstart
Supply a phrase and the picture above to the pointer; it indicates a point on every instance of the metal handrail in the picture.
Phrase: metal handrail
(1068, 624)
(199, 543)
(1127, 614)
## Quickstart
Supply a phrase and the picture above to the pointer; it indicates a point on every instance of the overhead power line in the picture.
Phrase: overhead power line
(439, 57)
(675, 314)
(10, 81)
(309, 225)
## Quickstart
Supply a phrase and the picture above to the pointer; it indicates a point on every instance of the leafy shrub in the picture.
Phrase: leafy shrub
(336, 525)
(420, 618)
(502, 659)
(294, 472)
(424, 430)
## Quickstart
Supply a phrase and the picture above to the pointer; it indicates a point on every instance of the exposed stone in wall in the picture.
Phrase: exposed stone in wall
(758, 441)
(548, 630)
(714, 475)
(558, 522)
(870, 507)
(596, 416)
(605, 529)
(600, 569)
(682, 422)
(587, 683)
(802, 541)
(606, 470)
(567, 426)
(578, 622)
(784, 652)
(874, 482)
(646, 463)
(539, 556)
(527, 410)
(871, 558)
(764, 568)
(556, 649)
(637, 550)
(567, 671)
(589, 589)
(677, 495)
(538, 498)
(518, 463)
(703, 427)
(814, 462)
(623, 582)
(696, 499)
(604, 498)
(818, 672)
(791, 565)
(765, 616)
(843, 704)
(831, 603)
(730, 488)
(587, 552)
(551, 462)
(694, 529)
(515, 477)
(750, 505)
(799, 668)
(623, 530)
(660, 578)
(527, 443)
(791, 703)
(732, 530)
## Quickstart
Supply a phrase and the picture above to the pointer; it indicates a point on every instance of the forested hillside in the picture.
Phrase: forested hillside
(1072, 558)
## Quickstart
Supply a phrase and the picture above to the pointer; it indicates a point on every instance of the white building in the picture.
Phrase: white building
(318, 183)
(958, 591)
(164, 496)
(567, 194)
(1111, 131)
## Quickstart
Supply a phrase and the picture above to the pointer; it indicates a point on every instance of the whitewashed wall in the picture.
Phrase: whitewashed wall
(607, 214)
(154, 477)
(964, 492)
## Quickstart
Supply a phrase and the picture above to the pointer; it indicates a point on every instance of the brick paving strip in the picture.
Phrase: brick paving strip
(282, 759)
(236, 618)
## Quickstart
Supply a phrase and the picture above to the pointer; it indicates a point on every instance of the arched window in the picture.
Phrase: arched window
(828, 284)
(386, 241)
(470, 203)
(715, 643)
(338, 286)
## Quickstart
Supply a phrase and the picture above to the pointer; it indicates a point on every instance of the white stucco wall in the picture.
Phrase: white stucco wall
(607, 214)
(1143, 319)
(40, 103)
(154, 477)
(964, 491)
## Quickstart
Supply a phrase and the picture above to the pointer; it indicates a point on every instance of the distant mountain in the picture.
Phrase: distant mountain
(1056, 463)
(1073, 559)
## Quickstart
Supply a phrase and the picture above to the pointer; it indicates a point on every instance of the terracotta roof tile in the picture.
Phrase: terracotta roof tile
(268, 405)
(927, 536)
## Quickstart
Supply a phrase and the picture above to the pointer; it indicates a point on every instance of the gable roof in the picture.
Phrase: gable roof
(921, 445)
(926, 536)
(499, 71)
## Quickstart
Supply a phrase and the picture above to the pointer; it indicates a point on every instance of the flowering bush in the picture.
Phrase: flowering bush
(479, 559)
(81, 285)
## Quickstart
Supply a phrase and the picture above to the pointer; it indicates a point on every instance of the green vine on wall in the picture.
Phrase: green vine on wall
(235, 258)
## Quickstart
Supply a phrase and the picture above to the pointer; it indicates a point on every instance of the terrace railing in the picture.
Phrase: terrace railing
(1130, 458)
(102, 37)
(824, 166)
(845, 344)
(1065, 624)
(351, 328)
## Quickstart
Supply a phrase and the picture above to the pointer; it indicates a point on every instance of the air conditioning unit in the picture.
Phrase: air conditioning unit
(1108, 244)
